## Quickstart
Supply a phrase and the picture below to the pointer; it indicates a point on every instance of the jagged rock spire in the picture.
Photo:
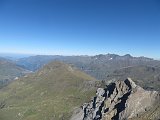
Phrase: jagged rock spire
(118, 101)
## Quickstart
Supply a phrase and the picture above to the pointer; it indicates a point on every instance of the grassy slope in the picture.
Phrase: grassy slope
(50, 94)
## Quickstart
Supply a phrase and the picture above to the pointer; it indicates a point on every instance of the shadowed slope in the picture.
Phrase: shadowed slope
(8, 71)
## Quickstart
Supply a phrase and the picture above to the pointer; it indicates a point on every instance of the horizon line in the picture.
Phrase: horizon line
(6, 54)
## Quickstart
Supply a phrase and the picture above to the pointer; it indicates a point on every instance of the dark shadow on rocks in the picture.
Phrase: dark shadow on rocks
(109, 88)
(121, 106)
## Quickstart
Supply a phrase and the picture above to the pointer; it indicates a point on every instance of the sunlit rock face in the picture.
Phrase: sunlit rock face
(121, 100)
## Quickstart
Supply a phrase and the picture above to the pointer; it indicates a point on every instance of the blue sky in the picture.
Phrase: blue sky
(79, 27)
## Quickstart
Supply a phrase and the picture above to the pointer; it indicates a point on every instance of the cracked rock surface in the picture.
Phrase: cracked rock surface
(121, 100)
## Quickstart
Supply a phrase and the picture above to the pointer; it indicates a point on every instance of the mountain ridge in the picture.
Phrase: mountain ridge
(9, 71)
(105, 66)
(50, 93)
(120, 100)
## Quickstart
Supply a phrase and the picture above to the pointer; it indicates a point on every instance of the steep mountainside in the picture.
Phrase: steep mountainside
(49, 94)
(146, 76)
(103, 65)
(9, 71)
(121, 100)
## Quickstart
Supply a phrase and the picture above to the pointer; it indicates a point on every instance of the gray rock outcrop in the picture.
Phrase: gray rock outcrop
(121, 100)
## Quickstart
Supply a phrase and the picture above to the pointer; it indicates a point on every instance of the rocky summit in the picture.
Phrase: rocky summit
(121, 100)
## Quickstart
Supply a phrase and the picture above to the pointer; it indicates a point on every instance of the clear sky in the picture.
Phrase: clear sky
(79, 27)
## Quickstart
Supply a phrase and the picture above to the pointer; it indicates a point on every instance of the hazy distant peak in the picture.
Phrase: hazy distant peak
(128, 55)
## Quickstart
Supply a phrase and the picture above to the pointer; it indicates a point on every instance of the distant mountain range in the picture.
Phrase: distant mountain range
(84, 62)
(9, 71)
(106, 67)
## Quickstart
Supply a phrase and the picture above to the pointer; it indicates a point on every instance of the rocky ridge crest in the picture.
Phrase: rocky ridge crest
(121, 100)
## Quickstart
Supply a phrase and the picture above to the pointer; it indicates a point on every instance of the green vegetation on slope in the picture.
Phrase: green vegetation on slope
(52, 93)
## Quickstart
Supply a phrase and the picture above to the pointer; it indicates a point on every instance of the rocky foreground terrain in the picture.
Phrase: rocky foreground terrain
(122, 100)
